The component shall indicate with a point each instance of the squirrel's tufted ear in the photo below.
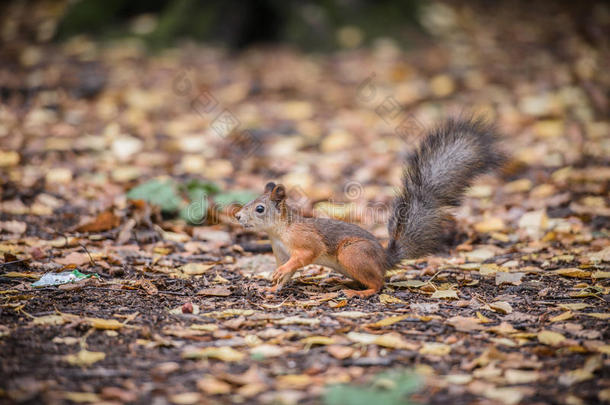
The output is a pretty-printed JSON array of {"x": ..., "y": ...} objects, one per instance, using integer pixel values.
[
  {"x": 269, "y": 187},
  {"x": 278, "y": 194}
]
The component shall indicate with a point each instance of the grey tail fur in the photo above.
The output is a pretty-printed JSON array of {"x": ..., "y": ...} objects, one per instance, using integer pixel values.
[{"x": 435, "y": 177}]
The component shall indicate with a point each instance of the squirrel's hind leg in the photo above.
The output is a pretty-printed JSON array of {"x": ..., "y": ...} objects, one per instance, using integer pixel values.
[{"x": 363, "y": 263}]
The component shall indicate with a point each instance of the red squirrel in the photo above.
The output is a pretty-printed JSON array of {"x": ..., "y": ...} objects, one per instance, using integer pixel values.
[{"x": 435, "y": 178}]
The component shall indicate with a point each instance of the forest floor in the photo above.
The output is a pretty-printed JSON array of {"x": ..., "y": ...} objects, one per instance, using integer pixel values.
[{"x": 515, "y": 310}]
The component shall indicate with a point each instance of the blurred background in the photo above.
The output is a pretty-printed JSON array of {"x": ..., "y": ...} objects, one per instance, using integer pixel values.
[{"x": 105, "y": 95}]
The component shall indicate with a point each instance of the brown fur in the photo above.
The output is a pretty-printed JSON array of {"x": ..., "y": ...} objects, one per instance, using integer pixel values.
[{"x": 435, "y": 176}]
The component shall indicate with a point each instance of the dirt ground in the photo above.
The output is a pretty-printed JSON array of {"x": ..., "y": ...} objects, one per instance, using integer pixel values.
[{"x": 515, "y": 310}]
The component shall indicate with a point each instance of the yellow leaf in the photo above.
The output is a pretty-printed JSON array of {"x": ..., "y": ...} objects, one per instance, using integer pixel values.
[
  {"x": 576, "y": 306},
  {"x": 208, "y": 327},
  {"x": 296, "y": 320},
  {"x": 20, "y": 274},
  {"x": 550, "y": 338},
  {"x": 482, "y": 318},
  {"x": 391, "y": 340},
  {"x": 318, "y": 340},
  {"x": 49, "y": 320},
  {"x": 521, "y": 376},
  {"x": 186, "y": 398},
  {"x": 458, "y": 379},
  {"x": 388, "y": 299},
  {"x": 501, "y": 306},
  {"x": 223, "y": 353},
  {"x": 445, "y": 294},
  {"x": 84, "y": 358},
  {"x": 604, "y": 349},
  {"x": 388, "y": 321},
  {"x": 573, "y": 272},
  {"x": 435, "y": 349},
  {"x": 80, "y": 397},
  {"x": 562, "y": 317},
  {"x": 213, "y": 386},
  {"x": 195, "y": 269},
  {"x": 489, "y": 268},
  {"x": 598, "y": 315},
  {"x": 99, "y": 323},
  {"x": 600, "y": 274},
  {"x": 490, "y": 225},
  {"x": 294, "y": 381}
]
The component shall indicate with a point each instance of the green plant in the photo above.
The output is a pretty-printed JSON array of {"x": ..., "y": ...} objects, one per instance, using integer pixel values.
[{"x": 389, "y": 388}]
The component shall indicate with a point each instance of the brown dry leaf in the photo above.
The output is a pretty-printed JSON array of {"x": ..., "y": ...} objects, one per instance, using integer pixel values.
[
  {"x": 445, "y": 294},
  {"x": 195, "y": 269},
  {"x": 215, "y": 291},
  {"x": 148, "y": 286},
  {"x": 74, "y": 258},
  {"x": 213, "y": 386},
  {"x": 501, "y": 306},
  {"x": 388, "y": 299},
  {"x": 103, "y": 222},
  {"x": 573, "y": 272},
  {"x": 391, "y": 340},
  {"x": 296, "y": 320},
  {"x": 340, "y": 352},
  {"x": 509, "y": 278},
  {"x": 84, "y": 358},
  {"x": 465, "y": 324}
]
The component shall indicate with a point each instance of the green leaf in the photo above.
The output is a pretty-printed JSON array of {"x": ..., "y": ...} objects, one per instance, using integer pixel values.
[
  {"x": 161, "y": 193},
  {"x": 195, "y": 187},
  {"x": 238, "y": 196},
  {"x": 388, "y": 388}
]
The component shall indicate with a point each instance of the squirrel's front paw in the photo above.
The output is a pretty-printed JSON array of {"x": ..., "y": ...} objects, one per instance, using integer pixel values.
[{"x": 280, "y": 276}]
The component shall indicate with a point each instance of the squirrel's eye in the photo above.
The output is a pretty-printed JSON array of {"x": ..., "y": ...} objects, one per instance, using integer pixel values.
[{"x": 260, "y": 209}]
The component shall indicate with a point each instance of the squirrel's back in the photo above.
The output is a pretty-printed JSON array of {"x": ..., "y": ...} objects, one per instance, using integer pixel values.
[{"x": 436, "y": 175}]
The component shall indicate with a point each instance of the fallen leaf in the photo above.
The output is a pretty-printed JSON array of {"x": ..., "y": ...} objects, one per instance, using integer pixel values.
[
  {"x": 296, "y": 320},
  {"x": 390, "y": 340},
  {"x": 317, "y": 340},
  {"x": 215, "y": 291},
  {"x": 223, "y": 353},
  {"x": 573, "y": 272},
  {"x": 388, "y": 321},
  {"x": 501, "y": 306},
  {"x": 435, "y": 349},
  {"x": 213, "y": 386},
  {"x": 445, "y": 294},
  {"x": 562, "y": 317},
  {"x": 509, "y": 278},
  {"x": 521, "y": 376},
  {"x": 340, "y": 352},
  {"x": 103, "y": 222},
  {"x": 195, "y": 269},
  {"x": 388, "y": 299},
  {"x": 186, "y": 398},
  {"x": 550, "y": 338},
  {"x": 84, "y": 358}
]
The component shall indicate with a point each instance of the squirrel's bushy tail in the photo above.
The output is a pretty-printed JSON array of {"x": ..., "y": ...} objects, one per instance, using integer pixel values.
[{"x": 436, "y": 175}]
